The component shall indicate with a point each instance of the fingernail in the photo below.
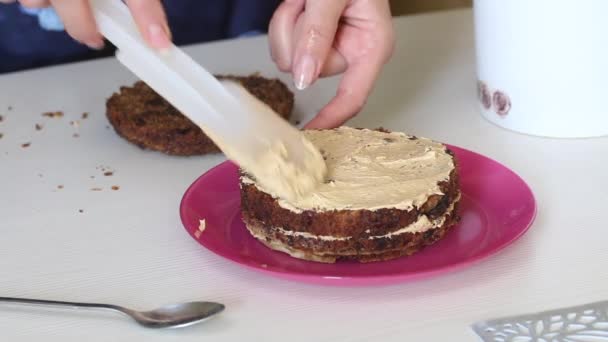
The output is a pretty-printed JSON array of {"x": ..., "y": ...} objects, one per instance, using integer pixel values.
[
  {"x": 305, "y": 72},
  {"x": 158, "y": 36},
  {"x": 96, "y": 44},
  {"x": 165, "y": 52}
]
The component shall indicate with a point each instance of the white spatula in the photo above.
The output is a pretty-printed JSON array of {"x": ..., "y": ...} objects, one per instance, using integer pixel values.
[{"x": 246, "y": 130}]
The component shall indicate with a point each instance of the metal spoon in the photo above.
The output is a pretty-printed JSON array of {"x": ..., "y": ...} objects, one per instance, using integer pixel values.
[{"x": 169, "y": 316}]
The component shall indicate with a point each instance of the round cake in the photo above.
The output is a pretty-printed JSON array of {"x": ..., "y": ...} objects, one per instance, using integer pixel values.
[
  {"x": 144, "y": 118},
  {"x": 386, "y": 195}
]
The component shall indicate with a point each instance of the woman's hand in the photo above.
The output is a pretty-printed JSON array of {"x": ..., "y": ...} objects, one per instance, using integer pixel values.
[
  {"x": 79, "y": 22},
  {"x": 316, "y": 38}
]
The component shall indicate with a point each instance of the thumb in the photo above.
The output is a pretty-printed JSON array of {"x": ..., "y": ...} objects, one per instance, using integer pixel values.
[{"x": 314, "y": 38}]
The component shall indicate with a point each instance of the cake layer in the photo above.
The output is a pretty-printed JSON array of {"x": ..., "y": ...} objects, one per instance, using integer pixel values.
[
  {"x": 142, "y": 117},
  {"x": 364, "y": 250},
  {"x": 265, "y": 208}
]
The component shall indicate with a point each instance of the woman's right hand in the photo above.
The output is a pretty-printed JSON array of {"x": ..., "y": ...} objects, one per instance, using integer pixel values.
[
  {"x": 317, "y": 38},
  {"x": 79, "y": 22}
]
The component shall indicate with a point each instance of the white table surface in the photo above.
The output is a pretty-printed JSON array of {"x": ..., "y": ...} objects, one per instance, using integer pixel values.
[{"x": 129, "y": 247}]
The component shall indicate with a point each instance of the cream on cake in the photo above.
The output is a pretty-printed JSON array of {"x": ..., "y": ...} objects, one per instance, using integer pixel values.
[{"x": 371, "y": 170}]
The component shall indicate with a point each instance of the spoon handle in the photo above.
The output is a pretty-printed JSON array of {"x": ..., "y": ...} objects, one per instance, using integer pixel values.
[{"x": 73, "y": 305}]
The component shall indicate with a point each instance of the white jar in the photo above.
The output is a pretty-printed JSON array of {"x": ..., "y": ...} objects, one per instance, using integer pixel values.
[{"x": 542, "y": 65}]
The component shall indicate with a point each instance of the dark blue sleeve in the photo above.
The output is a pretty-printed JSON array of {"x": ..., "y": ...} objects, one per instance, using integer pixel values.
[
  {"x": 24, "y": 44},
  {"x": 250, "y": 16},
  {"x": 194, "y": 21}
]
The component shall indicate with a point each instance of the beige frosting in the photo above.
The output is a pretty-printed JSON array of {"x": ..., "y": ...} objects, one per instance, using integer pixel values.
[
  {"x": 290, "y": 177},
  {"x": 307, "y": 235},
  {"x": 422, "y": 224},
  {"x": 282, "y": 247},
  {"x": 284, "y": 162},
  {"x": 371, "y": 170}
]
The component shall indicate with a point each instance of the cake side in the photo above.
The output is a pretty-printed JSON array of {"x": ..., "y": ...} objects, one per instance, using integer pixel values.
[
  {"x": 363, "y": 250},
  {"x": 352, "y": 234},
  {"x": 258, "y": 205}
]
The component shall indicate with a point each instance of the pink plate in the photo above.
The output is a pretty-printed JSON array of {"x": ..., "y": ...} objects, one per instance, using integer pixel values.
[{"x": 497, "y": 208}]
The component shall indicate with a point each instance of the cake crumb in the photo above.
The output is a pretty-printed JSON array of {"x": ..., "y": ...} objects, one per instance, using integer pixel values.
[
  {"x": 115, "y": 187},
  {"x": 201, "y": 228},
  {"x": 76, "y": 135},
  {"x": 80, "y": 211},
  {"x": 108, "y": 173},
  {"x": 38, "y": 127},
  {"x": 10, "y": 108},
  {"x": 297, "y": 122},
  {"x": 74, "y": 123},
  {"x": 57, "y": 114},
  {"x": 85, "y": 115},
  {"x": 92, "y": 177},
  {"x": 59, "y": 187},
  {"x": 26, "y": 145},
  {"x": 96, "y": 189}
]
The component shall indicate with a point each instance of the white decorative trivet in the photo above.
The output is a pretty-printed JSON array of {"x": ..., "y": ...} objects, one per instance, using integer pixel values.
[{"x": 585, "y": 323}]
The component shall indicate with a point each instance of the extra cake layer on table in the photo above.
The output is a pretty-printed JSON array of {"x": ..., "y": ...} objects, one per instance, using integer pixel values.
[{"x": 143, "y": 117}]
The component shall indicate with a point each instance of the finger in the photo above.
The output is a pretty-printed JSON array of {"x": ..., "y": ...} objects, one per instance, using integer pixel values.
[
  {"x": 384, "y": 31},
  {"x": 352, "y": 94},
  {"x": 79, "y": 21},
  {"x": 314, "y": 39},
  {"x": 334, "y": 64},
  {"x": 32, "y": 3},
  {"x": 150, "y": 17},
  {"x": 281, "y": 32}
]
